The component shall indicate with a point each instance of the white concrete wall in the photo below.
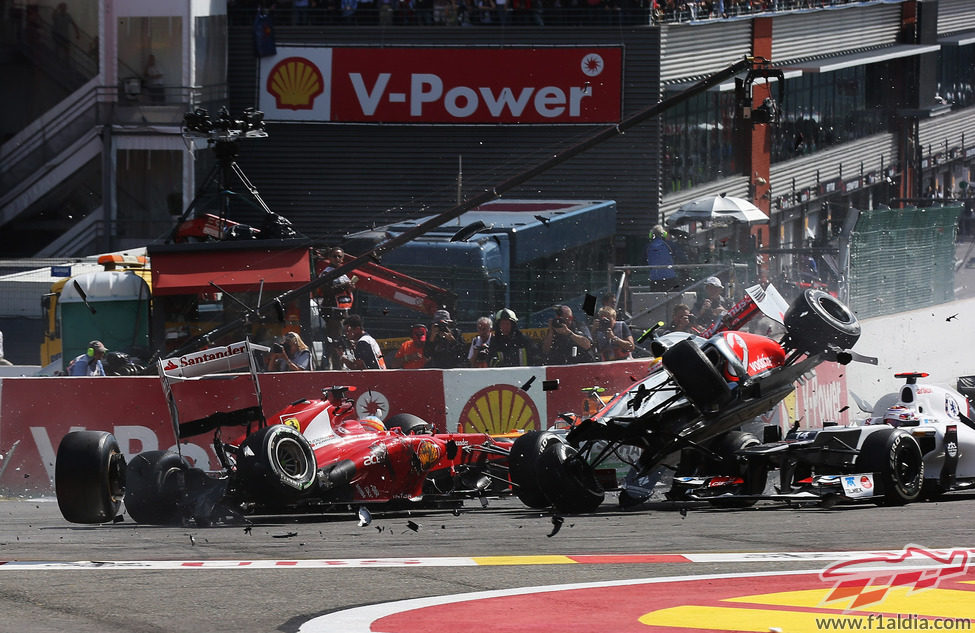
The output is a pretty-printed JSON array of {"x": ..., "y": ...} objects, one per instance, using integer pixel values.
[{"x": 921, "y": 340}]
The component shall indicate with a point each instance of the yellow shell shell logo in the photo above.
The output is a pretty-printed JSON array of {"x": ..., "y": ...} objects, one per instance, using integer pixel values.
[
  {"x": 295, "y": 82},
  {"x": 499, "y": 409}
]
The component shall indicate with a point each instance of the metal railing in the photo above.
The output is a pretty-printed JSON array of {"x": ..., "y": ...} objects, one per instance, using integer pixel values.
[
  {"x": 29, "y": 156},
  {"x": 628, "y": 282}
]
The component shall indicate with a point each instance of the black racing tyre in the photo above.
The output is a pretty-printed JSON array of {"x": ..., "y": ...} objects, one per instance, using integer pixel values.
[
  {"x": 569, "y": 482},
  {"x": 408, "y": 423},
  {"x": 523, "y": 466},
  {"x": 154, "y": 487},
  {"x": 754, "y": 474},
  {"x": 277, "y": 464},
  {"x": 895, "y": 456},
  {"x": 89, "y": 476},
  {"x": 817, "y": 319},
  {"x": 697, "y": 376}
]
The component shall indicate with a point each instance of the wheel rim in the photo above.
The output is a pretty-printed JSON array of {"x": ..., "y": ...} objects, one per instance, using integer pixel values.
[
  {"x": 116, "y": 476},
  {"x": 907, "y": 469},
  {"x": 835, "y": 309},
  {"x": 291, "y": 458}
]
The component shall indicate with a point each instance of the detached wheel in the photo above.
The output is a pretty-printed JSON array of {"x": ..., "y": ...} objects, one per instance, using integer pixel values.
[
  {"x": 568, "y": 481},
  {"x": 817, "y": 319},
  {"x": 155, "y": 485},
  {"x": 896, "y": 458},
  {"x": 410, "y": 424},
  {"x": 523, "y": 466},
  {"x": 697, "y": 377},
  {"x": 277, "y": 464},
  {"x": 89, "y": 476}
]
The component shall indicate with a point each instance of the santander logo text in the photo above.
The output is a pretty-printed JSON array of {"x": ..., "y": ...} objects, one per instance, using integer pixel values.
[{"x": 462, "y": 102}]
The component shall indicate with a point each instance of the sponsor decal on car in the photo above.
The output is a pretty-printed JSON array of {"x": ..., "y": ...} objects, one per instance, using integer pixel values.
[{"x": 858, "y": 486}]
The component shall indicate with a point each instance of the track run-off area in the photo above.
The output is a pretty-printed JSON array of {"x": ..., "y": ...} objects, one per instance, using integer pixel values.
[{"x": 501, "y": 568}]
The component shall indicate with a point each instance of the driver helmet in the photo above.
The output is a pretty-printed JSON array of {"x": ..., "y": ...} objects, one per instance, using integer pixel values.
[
  {"x": 373, "y": 423},
  {"x": 899, "y": 415}
]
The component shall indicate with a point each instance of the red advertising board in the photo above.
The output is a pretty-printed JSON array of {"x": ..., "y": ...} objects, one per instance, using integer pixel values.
[
  {"x": 483, "y": 85},
  {"x": 35, "y": 413}
]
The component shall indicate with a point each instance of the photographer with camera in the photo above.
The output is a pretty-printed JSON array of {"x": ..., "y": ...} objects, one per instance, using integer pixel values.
[
  {"x": 291, "y": 355},
  {"x": 445, "y": 346},
  {"x": 614, "y": 341},
  {"x": 509, "y": 347},
  {"x": 566, "y": 341},
  {"x": 478, "y": 354}
]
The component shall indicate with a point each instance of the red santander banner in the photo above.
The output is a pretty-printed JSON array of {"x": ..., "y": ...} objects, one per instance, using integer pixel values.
[{"x": 513, "y": 85}]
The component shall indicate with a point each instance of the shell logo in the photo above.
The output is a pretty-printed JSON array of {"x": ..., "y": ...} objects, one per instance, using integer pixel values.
[
  {"x": 295, "y": 82},
  {"x": 499, "y": 409}
]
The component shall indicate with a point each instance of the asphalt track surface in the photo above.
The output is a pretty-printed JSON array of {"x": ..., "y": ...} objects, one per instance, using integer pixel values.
[{"x": 667, "y": 567}]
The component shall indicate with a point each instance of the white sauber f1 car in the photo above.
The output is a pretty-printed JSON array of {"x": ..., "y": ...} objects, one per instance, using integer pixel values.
[{"x": 918, "y": 443}]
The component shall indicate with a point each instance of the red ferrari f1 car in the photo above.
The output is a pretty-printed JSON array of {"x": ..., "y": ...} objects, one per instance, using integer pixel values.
[
  {"x": 311, "y": 456},
  {"x": 707, "y": 386}
]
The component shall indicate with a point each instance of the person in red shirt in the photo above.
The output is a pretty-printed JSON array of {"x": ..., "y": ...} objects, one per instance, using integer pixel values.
[{"x": 410, "y": 353}]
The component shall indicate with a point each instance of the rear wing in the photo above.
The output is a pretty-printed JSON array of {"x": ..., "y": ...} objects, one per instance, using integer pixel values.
[
  {"x": 202, "y": 365},
  {"x": 768, "y": 301}
]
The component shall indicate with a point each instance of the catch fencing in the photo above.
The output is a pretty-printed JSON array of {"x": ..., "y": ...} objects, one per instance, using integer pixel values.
[{"x": 901, "y": 259}]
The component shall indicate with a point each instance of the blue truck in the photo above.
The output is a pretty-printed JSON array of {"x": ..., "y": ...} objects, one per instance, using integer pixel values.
[{"x": 494, "y": 255}]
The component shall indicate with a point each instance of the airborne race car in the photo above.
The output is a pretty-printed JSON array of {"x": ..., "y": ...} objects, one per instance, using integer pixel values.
[
  {"x": 712, "y": 385},
  {"x": 918, "y": 442},
  {"x": 311, "y": 456}
]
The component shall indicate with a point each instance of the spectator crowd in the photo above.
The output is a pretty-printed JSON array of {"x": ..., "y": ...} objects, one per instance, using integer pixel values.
[{"x": 503, "y": 12}]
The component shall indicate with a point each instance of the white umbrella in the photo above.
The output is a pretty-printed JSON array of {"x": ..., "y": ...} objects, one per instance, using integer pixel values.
[{"x": 718, "y": 209}]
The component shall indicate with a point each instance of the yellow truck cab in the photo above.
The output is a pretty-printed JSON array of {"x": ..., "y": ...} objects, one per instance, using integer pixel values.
[{"x": 111, "y": 305}]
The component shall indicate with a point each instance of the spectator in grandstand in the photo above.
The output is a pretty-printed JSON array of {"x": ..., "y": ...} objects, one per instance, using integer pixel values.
[
  {"x": 682, "y": 319},
  {"x": 660, "y": 257},
  {"x": 444, "y": 348},
  {"x": 290, "y": 355},
  {"x": 348, "y": 10},
  {"x": 410, "y": 353},
  {"x": 365, "y": 352},
  {"x": 503, "y": 15},
  {"x": 710, "y": 305},
  {"x": 387, "y": 8},
  {"x": 509, "y": 347},
  {"x": 613, "y": 338},
  {"x": 478, "y": 354},
  {"x": 566, "y": 341}
]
